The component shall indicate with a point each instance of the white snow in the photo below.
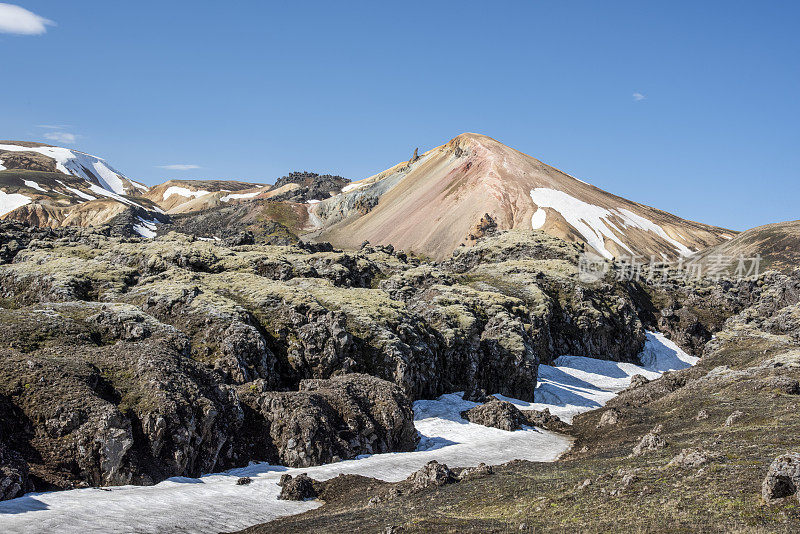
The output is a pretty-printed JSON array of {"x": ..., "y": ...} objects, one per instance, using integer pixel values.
[
  {"x": 637, "y": 221},
  {"x": 11, "y": 201},
  {"x": 593, "y": 223},
  {"x": 146, "y": 228},
  {"x": 576, "y": 384},
  {"x": 313, "y": 201},
  {"x": 234, "y": 196},
  {"x": 1, "y": 165},
  {"x": 34, "y": 185},
  {"x": 77, "y": 192},
  {"x": 215, "y": 503},
  {"x": 119, "y": 198},
  {"x": 137, "y": 185},
  {"x": 538, "y": 219},
  {"x": 184, "y": 192},
  {"x": 353, "y": 185},
  {"x": 78, "y": 164}
]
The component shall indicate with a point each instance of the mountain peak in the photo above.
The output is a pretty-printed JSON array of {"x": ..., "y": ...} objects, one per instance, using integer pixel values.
[{"x": 431, "y": 205}]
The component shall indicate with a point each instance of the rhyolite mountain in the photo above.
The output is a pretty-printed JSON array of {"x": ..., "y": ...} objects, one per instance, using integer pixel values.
[{"x": 454, "y": 193}]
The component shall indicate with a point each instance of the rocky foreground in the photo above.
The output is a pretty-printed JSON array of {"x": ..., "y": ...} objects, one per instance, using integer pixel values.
[
  {"x": 713, "y": 448},
  {"x": 127, "y": 361}
]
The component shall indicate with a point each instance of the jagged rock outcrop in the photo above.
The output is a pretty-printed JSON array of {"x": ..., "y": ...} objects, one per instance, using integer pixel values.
[
  {"x": 335, "y": 419},
  {"x": 313, "y": 186}
]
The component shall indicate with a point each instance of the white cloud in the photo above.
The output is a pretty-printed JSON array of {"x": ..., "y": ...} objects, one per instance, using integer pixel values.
[
  {"x": 638, "y": 97},
  {"x": 179, "y": 167},
  {"x": 52, "y": 126},
  {"x": 18, "y": 20},
  {"x": 61, "y": 137}
]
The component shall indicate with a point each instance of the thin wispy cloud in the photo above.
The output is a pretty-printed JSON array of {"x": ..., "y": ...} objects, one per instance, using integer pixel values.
[
  {"x": 638, "y": 97},
  {"x": 53, "y": 126},
  {"x": 62, "y": 137},
  {"x": 179, "y": 167},
  {"x": 19, "y": 21}
]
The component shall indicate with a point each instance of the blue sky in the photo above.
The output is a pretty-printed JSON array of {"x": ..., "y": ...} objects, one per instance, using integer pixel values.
[{"x": 253, "y": 90}]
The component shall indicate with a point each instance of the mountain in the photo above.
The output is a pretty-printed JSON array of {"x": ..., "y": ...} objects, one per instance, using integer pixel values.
[
  {"x": 457, "y": 192},
  {"x": 51, "y": 186},
  {"x": 183, "y": 196},
  {"x": 777, "y": 244},
  {"x": 27, "y": 155}
]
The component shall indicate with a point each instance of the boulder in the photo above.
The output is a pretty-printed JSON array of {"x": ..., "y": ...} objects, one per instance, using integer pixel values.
[
  {"x": 783, "y": 478},
  {"x": 298, "y": 488},
  {"x": 638, "y": 380},
  {"x": 433, "y": 474},
  {"x": 496, "y": 414},
  {"x": 471, "y": 473},
  {"x": 693, "y": 457},
  {"x": 544, "y": 419},
  {"x": 734, "y": 417},
  {"x": 650, "y": 442},
  {"x": 783, "y": 384},
  {"x": 610, "y": 417}
]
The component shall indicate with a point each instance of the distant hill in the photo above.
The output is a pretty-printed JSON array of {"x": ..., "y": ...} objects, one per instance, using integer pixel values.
[{"x": 778, "y": 244}]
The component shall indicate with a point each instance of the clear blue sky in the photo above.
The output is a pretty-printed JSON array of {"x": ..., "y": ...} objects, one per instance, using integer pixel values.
[{"x": 253, "y": 90}]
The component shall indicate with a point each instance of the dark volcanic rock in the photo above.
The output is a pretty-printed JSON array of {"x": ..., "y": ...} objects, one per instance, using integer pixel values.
[
  {"x": 313, "y": 186},
  {"x": 298, "y": 488},
  {"x": 496, "y": 414},
  {"x": 544, "y": 419},
  {"x": 337, "y": 419},
  {"x": 14, "y": 481},
  {"x": 783, "y": 478},
  {"x": 433, "y": 474}
]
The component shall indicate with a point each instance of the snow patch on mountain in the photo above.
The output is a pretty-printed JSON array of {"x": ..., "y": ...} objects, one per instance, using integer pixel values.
[
  {"x": 76, "y": 163},
  {"x": 637, "y": 221},
  {"x": 594, "y": 223},
  {"x": 77, "y": 192},
  {"x": 1, "y": 165},
  {"x": 34, "y": 185},
  {"x": 184, "y": 192},
  {"x": 353, "y": 185},
  {"x": 236, "y": 196},
  {"x": 11, "y": 201},
  {"x": 146, "y": 228},
  {"x": 538, "y": 219},
  {"x": 119, "y": 198},
  {"x": 589, "y": 220}
]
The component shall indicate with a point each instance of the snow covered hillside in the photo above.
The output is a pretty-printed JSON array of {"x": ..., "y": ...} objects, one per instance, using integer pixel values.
[
  {"x": 50, "y": 186},
  {"x": 214, "y": 503},
  {"x": 72, "y": 162}
]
